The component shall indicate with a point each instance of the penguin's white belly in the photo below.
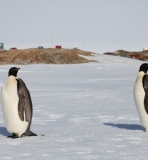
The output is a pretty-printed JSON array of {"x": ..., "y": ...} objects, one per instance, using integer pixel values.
[
  {"x": 139, "y": 95},
  {"x": 9, "y": 100}
]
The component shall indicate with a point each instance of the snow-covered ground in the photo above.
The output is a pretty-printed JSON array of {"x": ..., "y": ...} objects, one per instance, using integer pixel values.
[{"x": 81, "y": 111}]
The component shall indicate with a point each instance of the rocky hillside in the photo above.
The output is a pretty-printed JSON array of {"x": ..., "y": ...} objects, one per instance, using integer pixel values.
[{"x": 44, "y": 56}]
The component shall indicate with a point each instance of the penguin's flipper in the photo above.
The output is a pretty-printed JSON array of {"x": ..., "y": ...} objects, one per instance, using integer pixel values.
[
  {"x": 146, "y": 102},
  {"x": 25, "y": 103},
  {"x": 145, "y": 86}
]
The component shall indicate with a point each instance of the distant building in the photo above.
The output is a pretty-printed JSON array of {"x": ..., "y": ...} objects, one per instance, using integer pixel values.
[
  {"x": 145, "y": 48},
  {"x": 40, "y": 47},
  {"x": 13, "y": 48},
  {"x": 75, "y": 47},
  {"x": 135, "y": 56},
  {"x": 1, "y": 46},
  {"x": 58, "y": 46},
  {"x": 32, "y": 61}
]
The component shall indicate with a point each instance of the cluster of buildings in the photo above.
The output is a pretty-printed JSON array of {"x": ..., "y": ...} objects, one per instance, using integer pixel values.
[
  {"x": 141, "y": 55},
  {"x": 14, "y": 48},
  {"x": 134, "y": 55},
  {"x": 124, "y": 54}
]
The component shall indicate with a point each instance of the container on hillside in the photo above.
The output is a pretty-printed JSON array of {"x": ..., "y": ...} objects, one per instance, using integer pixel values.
[
  {"x": 13, "y": 48},
  {"x": 58, "y": 46},
  {"x": 40, "y": 47},
  {"x": 1, "y": 46}
]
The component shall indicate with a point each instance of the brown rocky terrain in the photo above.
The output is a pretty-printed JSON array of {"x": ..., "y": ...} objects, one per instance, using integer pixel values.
[{"x": 44, "y": 56}]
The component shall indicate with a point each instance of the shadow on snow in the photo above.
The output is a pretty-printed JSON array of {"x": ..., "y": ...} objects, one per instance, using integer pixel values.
[
  {"x": 3, "y": 131},
  {"x": 126, "y": 126}
]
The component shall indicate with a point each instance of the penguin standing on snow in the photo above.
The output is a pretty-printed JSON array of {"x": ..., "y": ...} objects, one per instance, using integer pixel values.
[
  {"x": 16, "y": 106},
  {"x": 141, "y": 95}
]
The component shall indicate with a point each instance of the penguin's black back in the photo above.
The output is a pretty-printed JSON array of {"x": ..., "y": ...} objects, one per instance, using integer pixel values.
[
  {"x": 145, "y": 86},
  {"x": 25, "y": 103}
]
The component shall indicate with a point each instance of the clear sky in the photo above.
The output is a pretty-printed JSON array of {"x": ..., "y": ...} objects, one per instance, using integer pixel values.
[{"x": 95, "y": 25}]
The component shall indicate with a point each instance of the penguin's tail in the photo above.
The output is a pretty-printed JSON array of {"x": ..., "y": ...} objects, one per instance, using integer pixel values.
[{"x": 28, "y": 133}]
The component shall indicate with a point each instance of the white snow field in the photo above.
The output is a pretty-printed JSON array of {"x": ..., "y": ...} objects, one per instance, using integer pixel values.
[{"x": 81, "y": 112}]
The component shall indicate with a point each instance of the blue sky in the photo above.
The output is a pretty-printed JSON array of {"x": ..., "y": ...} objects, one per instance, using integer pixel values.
[{"x": 95, "y": 25}]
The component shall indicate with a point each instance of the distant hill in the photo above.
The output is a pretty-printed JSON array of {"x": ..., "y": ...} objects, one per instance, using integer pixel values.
[
  {"x": 43, "y": 56},
  {"x": 141, "y": 55}
]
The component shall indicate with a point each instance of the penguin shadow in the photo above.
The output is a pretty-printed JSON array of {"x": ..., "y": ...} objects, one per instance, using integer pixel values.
[
  {"x": 4, "y": 132},
  {"x": 126, "y": 126}
]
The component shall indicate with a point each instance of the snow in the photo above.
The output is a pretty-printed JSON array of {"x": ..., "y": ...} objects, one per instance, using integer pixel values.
[{"x": 81, "y": 111}]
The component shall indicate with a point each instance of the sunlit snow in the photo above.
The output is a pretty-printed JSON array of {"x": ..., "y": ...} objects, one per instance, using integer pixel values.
[{"x": 81, "y": 111}]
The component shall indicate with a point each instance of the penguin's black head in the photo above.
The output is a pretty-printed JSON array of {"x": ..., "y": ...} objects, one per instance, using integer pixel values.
[
  {"x": 144, "y": 67},
  {"x": 13, "y": 71}
]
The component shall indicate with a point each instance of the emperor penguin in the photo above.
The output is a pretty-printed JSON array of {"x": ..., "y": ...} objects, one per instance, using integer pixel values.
[
  {"x": 16, "y": 106},
  {"x": 141, "y": 95}
]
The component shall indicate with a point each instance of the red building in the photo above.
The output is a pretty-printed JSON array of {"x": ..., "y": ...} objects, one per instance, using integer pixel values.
[
  {"x": 58, "y": 46},
  {"x": 135, "y": 56},
  {"x": 13, "y": 48}
]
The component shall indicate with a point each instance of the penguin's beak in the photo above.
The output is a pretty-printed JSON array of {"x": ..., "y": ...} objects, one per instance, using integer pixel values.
[{"x": 17, "y": 69}]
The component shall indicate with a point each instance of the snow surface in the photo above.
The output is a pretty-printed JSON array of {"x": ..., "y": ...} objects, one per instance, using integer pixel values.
[{"x": 81, "y": 111}]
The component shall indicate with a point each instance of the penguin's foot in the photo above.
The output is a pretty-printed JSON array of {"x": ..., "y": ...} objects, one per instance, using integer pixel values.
[
  {"x": 13, "y": 136},
  {"x": 28, "y": 133}
]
